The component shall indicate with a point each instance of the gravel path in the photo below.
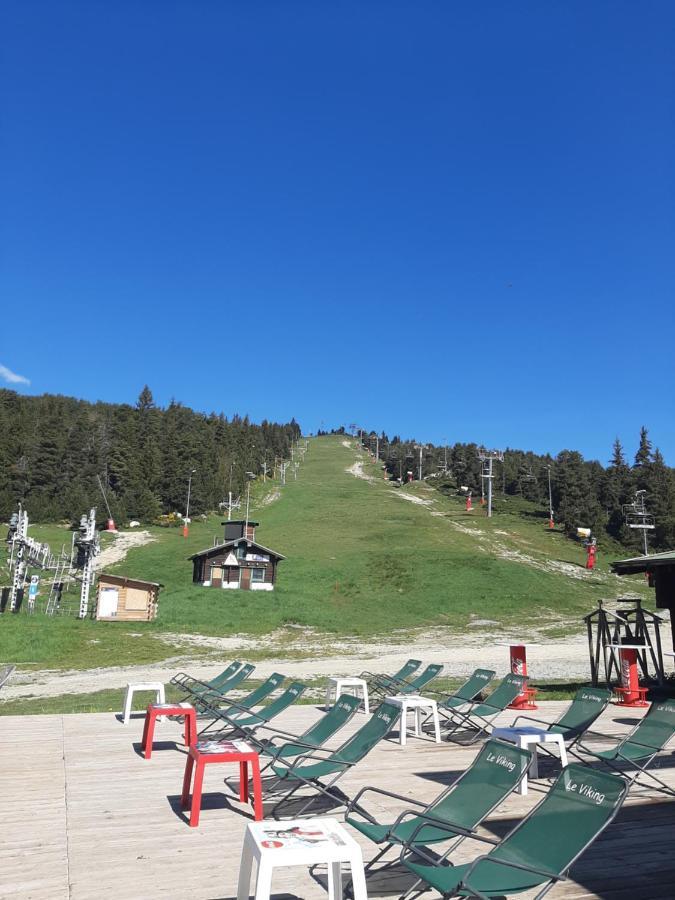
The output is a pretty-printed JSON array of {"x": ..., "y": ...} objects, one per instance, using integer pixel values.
[{"x": 459, "y": 653}]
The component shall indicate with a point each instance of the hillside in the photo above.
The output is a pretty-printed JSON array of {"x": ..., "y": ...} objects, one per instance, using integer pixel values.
[{"x": 364, "y": 559}]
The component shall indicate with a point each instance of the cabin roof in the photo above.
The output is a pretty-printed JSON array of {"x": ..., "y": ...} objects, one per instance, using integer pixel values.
[
  {"x": 644, "y": 563},
  {"x": 122, "y": 579},
  {"x": 240, "y": 522},
  {"x": 228, "y": 544}
]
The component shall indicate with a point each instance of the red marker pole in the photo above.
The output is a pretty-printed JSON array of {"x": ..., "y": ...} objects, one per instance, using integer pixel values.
[
  {"x": 468, "y": 503},
  {"x": 590, "y": 558}
]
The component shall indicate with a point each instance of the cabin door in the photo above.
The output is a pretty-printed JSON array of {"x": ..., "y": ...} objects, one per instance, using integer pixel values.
[{"x": 245, "y": 579}]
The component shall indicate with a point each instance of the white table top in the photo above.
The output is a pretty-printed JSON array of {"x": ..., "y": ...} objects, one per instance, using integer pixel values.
[
  {"x": 345, "y": 679},
  {"x": 410, "y": 700},
  {"x": 539, "y": 734},
  {"x": 303, "y": 840}
]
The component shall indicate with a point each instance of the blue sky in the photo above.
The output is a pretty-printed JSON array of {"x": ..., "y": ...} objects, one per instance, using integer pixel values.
[{"x": 442, "y": 220}]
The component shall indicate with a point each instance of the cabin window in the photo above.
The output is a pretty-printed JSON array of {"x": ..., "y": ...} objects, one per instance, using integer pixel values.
[
  {"x": 257, "y": 574},
  {"x": 241, "y": 551}
]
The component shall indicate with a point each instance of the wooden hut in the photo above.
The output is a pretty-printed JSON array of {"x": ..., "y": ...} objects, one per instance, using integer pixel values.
[
  {"x": 120, "y": 599},
  {"x": 239, "y": 562}
]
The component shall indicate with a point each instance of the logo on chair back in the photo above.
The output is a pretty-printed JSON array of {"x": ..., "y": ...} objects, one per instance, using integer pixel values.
[
  {"x": 586, "y": 791},
  {"x": 593, "y": 697},
  {"x": 500, "y": 759},
  {"x": 665, "y": 707},
  {"x": 482, "y": 676}
]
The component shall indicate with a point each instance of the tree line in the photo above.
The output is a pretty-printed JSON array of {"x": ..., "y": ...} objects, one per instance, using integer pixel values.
[
  {"x": 584, "y": 493},
  {"x": 53, "y": 450}
]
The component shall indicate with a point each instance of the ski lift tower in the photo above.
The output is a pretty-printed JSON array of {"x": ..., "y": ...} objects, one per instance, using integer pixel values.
[
  {"x": 637, "y": 517},
  {"x": 17, "y": 536},
  {"x": 88, "y": 548},
  {"x": 487, "y": 457}
]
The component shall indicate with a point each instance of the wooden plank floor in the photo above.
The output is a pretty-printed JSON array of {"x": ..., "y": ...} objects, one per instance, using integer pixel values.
[{"x": 85, "y": 816}]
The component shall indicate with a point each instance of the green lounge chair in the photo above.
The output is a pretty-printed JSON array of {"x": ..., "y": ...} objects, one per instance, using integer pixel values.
[
  {"x": 215, "y": 704},
  {"x": 186, "y": 682},
  {"x": 311, "y": 768},
  {"x": 497, "y": 770},
  {"x": 381, "y": 684},
  {"x": 315, "y": 737},
  {"x": 467, "y": 693},
  {"x": 639, "y": 748},
  {"x": 478, "y": 717},
  {"x": 415, "y": 685},
  {"x": 587, "y": 705},
  {"x": 195, "y": 692},
  {"x": 539, "y": 851},
  {"x": 248, "y": 724}
]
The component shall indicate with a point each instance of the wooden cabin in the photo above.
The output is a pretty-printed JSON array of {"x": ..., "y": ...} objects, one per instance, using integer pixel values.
[
  {"x": 239, "y": 562},
  {"x": 120, "y": 599}
]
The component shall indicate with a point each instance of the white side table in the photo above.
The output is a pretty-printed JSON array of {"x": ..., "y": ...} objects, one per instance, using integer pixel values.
[
  {"x": 354, "y": 686},
  {"x": 526, "y": 737},
  {"x": 417, "y": 704},
  {"x": 302, "y": 842},
  {"x": 155, "y": 686}
]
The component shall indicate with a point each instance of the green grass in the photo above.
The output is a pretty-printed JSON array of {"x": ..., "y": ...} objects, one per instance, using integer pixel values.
[
  {"x": 360, "y": 560},
  {"x": 112, "y": 700}
]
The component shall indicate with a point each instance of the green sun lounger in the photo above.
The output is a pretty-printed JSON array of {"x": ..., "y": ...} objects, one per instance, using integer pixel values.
[
  {"x": 186, "y": 682},
  {"x": 467, "y": 693},
  {"x": 315, "y": 737},
  {"x": 214, "y": 704},
  {"x": 477, "y": 719},
  {"x": 641, "y": 747},
  {"x": 320, "y": 769},
  {"x": 248, "y": 724},
  {"x": 586, "y": 706},
  {"x": 416, "y": 684},
  {"x": 197, "y": 690},
  {"x": 496, "y": 771},
  {"x": 382, "y": 683},
  {"x": 539, "y": 851}
]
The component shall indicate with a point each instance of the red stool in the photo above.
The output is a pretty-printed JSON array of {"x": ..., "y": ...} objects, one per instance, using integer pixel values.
[
  {"x": 156, "y": 710},
  {"x": 205, "y": 752}
]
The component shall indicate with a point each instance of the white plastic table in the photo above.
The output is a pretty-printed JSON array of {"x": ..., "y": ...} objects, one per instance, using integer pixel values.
[
  {"x": 301, "y": 842},
  {"x": 354, "y": 686},
  {"x": 417, "y": 704},
  {"x": 529, "y": 736},
  {"x": 155, "y": 686}
]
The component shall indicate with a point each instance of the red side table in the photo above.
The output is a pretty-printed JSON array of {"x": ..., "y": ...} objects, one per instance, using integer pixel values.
[
  {"x": 202, "y": 753},
  {"x": 155, "y": 710}
]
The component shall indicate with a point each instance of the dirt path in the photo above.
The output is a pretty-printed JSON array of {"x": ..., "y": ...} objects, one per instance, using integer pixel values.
[
  {"x": 356, "y": 469},
  {"x": 122, "y": 544},
  {"x": 325, "y": 655}
]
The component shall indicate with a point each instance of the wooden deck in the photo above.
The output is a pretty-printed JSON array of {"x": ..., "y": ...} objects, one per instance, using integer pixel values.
[{"x": 85, "y": 816}]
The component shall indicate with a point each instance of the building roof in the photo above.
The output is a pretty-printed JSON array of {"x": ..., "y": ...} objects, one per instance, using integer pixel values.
[
  {"x": 240, "y": 522},
  {"x": 227, "y": 544},
  {"x": 644, "y": 563},
  {"x": 124, "y": 580}
]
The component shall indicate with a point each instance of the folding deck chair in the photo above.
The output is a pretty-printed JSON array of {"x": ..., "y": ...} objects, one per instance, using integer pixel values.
[
  {"x": 586, "y": 706},
  {"x": 211, "y": 706},
  {"x": 467, "y": 693},
  {"x": 308, "y": 769},
  {"x": 415, "y": 685},
  {"x": 185, "y": 681},
  {"x": 477, "y": 718},
  {"x": 641, "y": 746},
  {"x": 315, "y": 737},
  {"x": 539, "y": 851},
  {"x": 195, "y": 689},
  {"x": 247, "y": 725},
  {"x": 497, "y": 769},
  {"x": 380, "y": 684}
]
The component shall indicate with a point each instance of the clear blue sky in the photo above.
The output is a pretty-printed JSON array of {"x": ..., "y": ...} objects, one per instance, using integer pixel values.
[{"x": 443, "y": 220}]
